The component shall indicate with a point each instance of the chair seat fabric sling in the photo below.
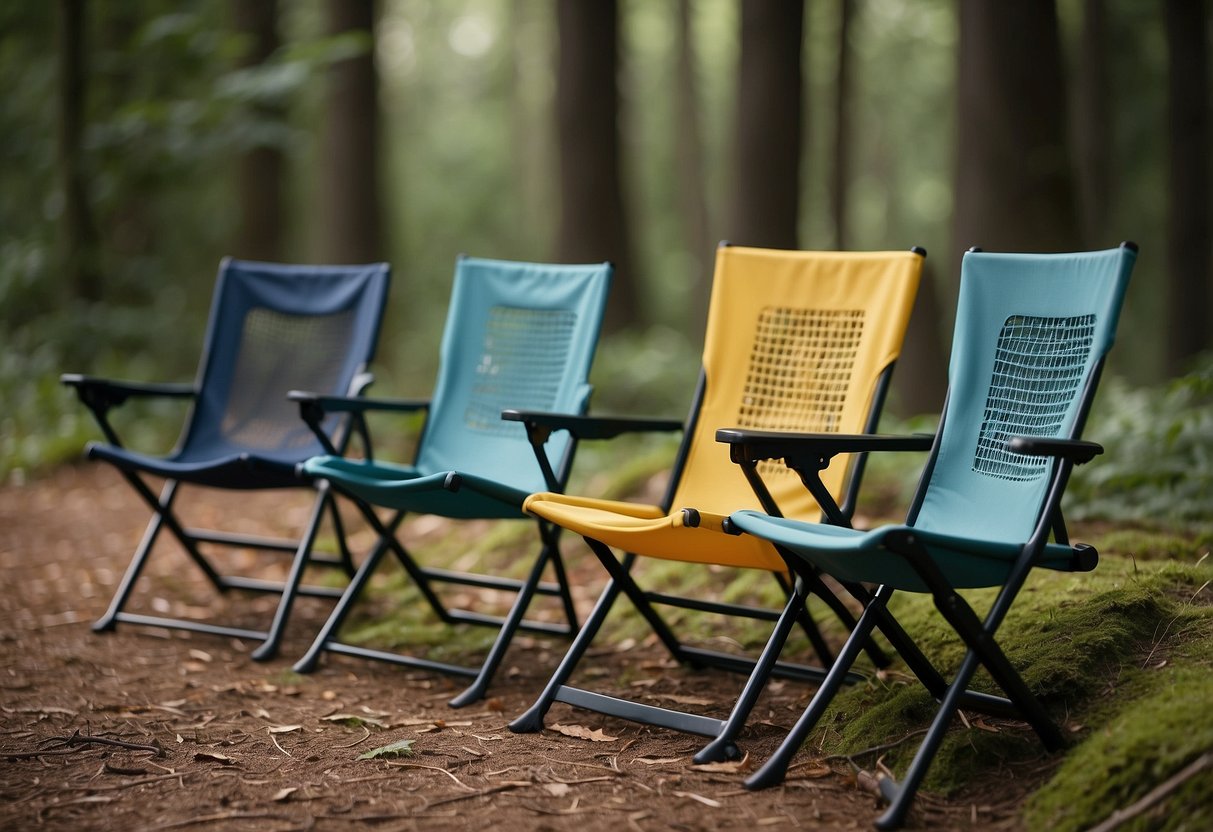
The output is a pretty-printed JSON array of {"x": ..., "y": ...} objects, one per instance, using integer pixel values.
[
  {"x": 272, "y": 327},
  {"x": 794, "y": 341},
  {"x": 517, "y": 335},
  {"x": 1032, "y": 332}
]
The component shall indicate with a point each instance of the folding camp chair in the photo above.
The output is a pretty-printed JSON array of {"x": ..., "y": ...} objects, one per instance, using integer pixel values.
[
  {"x": 1032, "y": 332},
  {"x": 795, "y": 341},
  {"x": 517, "y": 335},
  {"x": 272, "y": 327}
]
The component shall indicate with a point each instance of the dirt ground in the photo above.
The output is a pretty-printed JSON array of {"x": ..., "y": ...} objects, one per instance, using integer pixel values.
[{"x": 222, "y": 742}]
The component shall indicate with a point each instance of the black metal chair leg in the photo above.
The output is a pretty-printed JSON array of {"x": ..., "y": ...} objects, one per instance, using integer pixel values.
[
  {"x": 290, "y": 588},
  {"x": 902, "y": 794},
  {"x": 724, "y": 746},
  {"x": 475, "y": 691},
  {"x": 621, "y": 575},
  {"x": 531, "y": 721},
  {"x": 308, "y": 663},
  {"x": 775, "y": 768},
  {"x": 109, "y": 620}
]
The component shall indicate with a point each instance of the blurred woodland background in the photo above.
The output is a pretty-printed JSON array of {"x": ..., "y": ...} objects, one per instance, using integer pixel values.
[{"x": 142, "y": 141}]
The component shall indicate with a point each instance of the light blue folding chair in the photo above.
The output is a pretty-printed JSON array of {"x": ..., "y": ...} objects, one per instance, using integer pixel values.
[
  {"x": 517, "y": 336},
  {"x": 1032, "y": 332},
  {"x": 272, "y": 327}
]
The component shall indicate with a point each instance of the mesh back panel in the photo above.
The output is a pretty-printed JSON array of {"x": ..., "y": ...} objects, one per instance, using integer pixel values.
[
  {"x": 522, "y": 365},
  {"x": 1038, "y": 370},
  {"x": 799, "y": 372},
  {"x": 281, "y": 352}
]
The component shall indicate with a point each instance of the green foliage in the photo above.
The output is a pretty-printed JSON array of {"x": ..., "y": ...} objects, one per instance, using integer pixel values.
[
  {"x": 1158, "y": 464},
  {"x": 400, "y": 748}
]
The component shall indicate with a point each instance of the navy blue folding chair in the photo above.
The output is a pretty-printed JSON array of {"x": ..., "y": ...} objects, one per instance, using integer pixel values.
[{"x": 272, "y": 328}]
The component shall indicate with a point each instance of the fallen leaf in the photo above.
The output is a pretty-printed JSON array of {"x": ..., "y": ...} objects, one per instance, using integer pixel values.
[
  {"x": 656, "y": 761},
  {"x": 282, "y": 794},
  {"x": 354, "y": 720},
  {"x": 213, "y": 757},
  {"x": 583, "y": 733},
  {"x": 400, "y": 748},
  {"x": 556, "y": 789},
  {"x": 200, "y": 655},
  {"x": 283, "y": 729},
  {"x": 728, "y": 767},
  {"x": 493, "y": 703}
]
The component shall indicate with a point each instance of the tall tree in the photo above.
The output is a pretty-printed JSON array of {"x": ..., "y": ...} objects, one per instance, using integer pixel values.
[
  {"x": 689, "y": 155},
  {"x": 766, "y": 188},
  {"x": 593, "y": 221},
  {"x": 1189, "y": 231},
  {"x": 1093, "y": 123},
  {"x": 351, "y": 224},
  {"x": 78, "y": 227},
  {"x": 1014, "y": 187},
  {"x": 842, "y": 124},
  {"x": 261, "y": 169}
]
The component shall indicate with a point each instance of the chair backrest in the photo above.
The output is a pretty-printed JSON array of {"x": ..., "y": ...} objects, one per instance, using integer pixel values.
[
  {"x": 518, "y": 336},
  {"x": 795, "y": 341},
  {"x": 274, "y": 328},
  {"x": 1031, "y": 334}
]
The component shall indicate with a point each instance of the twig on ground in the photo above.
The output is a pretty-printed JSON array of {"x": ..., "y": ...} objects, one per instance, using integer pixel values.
[
  {"x": 876, "y": 749},
  {"x": 458, "y": 782},
  {"x": 76, "y": 741},
  {"x": 1156, "y": 794}
]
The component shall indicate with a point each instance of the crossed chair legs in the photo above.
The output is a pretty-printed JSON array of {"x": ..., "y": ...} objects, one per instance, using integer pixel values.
[
  {"x": 723, "y": 732},
  {"x": 983, "y": 651},
  {"x": 424, "y": 578},
  {"x": 165, "y": 517}
]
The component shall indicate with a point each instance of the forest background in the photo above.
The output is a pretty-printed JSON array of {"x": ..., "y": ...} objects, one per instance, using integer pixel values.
[{"x": 142, "y": 141}]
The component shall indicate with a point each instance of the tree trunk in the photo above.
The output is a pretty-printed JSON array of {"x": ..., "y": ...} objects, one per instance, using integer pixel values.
[
  {"x": 689, "y": 154},
  {"x": 1189, "y": 231},
  {"x": 766, "y": 194},
  {"x": 842, "y": 125},
  {"x": 261, "y": 170},
  {"x": 1093, "y": 125},
  {"x": 593, "y": 223},
  {"x": 1014, "y": 188},
  {"x": 351, "y": 230},
  {"x": 77, "y": 226}
]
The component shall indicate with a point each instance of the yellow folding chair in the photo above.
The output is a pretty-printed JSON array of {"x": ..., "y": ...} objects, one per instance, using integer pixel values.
[{"x": 796, "y": 341}]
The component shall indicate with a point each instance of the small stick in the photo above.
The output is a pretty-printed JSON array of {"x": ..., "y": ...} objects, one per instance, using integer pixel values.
[{"x": 1117, "y": 818}]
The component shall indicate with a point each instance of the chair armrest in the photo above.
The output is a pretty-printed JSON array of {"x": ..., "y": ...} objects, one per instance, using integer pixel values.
[
  {"x": 314, "y": 408},
  {"x": 758, "y": 445},
  {"x": 1077, "y": 451},
  {"x": 106, "y": 393},
  {"x": 100, "y": 394},
  {"x": 355, "y": 404},
  {"x": 590, "y": 427}
]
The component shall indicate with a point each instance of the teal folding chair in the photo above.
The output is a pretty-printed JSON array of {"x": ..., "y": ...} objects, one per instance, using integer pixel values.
[
  {"x": 272, "y": 327},
  {"x": 1032, "y": 333},
  {"x": 518, "y": 335}
]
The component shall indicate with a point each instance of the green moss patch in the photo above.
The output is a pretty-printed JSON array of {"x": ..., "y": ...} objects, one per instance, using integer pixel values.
[{"x": 1150, "y": 741}]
